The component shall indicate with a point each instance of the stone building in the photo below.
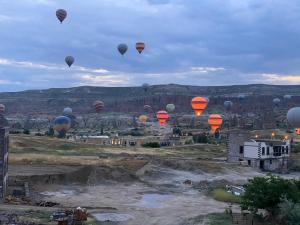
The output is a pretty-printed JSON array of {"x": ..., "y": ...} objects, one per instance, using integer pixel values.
[{"x": 266, "y": 154}]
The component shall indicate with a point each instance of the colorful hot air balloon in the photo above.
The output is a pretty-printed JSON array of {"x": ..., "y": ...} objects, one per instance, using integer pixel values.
[
  {"x": 147, "y": 108},
  {"x": 162, "y": 117},
  {"x": 199, "y": 104},
  {"x": 293, "y": 117},
  {"x": 69, "y": 60},
  {"x": 170, "y": 108},
  {"x": 228, "y": 105},
  {"x": 297, "y": 131},
  {"x": 143, "y": 118},
  {"x": 276, "y": 101},
  {"x": 67, "y": 111},
  {"x": 140, "y": 46},
  {"x": 98, "y": 106},
  {"x": 62, "y": 124},
  {"x": 122, "y": 48},
  {"x": 215, "y": 121},
  {"x": 2, "y": 109},
  {"x": 61, "y": 15}
]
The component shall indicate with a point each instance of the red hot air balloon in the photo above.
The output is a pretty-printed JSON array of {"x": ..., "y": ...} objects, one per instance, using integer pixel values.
[
  {"x": 61, "y": 15},
  {"x": 199, "y": 104},
  {"x": 215, "y": 121},
  {"x": 98, "y": 106},
  {"x": 297, "y": 131},
  {"x": 162, "y": 117},
  {"x": 140, "y": 46}
]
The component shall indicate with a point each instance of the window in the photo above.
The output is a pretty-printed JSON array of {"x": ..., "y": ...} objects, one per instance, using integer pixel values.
[
  {"x": 282, "y": 150},
  {"x": 276, "y": 151},
  {"x": 249, "y": 162},
  {"x": 241, "y": 149},
  {"x": 263, "y": 151},
  {"x": 287, "y": 150},
  {"x": 271, "y": 161},
  {"x": 268, "y": 150}
]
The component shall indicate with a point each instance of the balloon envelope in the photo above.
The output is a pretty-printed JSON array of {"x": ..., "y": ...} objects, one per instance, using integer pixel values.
[
  {"x": 140, "y": 46},
  {"x": 67, "y": 111},
  {"x": 228, "y": 105},
  {"x": 2, "y": 108},
  {"x": 69, "y": 60},
  {"x": 215, "y": 121},
  {"x": 170, "y": 107},
  {"x": 61, "y": 14},
  {"x": 293, "y": 117},
  {"x": 98, "y": 106},
  {"x": 162, "y": 117},
  {"x": 147, "y": 108},
  {"x": 143, "y": 118},
  {"x": 199, "y": 104},
  {"x": 122, "y": 48},
  {"x": 287, "y": 97},
  {"x": 276, "y": 101},
  {"x": 62, "y": 124}
]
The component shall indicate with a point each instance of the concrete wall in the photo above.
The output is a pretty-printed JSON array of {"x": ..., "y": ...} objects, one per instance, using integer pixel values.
[{"x": 235, "y": 139}]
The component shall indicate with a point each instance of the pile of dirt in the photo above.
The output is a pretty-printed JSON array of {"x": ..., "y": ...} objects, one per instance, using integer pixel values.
[{"x": 91, "y": 175}]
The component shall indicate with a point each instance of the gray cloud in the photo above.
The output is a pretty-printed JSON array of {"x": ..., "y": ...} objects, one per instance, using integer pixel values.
[{"x": 249, "y": 39}]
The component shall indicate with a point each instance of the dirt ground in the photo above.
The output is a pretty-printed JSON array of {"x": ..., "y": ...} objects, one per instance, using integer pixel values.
[{"x": 126, "y": 186}]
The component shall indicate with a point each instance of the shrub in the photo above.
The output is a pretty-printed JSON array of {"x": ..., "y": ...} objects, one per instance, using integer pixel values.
[
  {"x": 26, "y": 131},
  {"x": 224, "y": 196},
  {"x": 151, "y": 145}
]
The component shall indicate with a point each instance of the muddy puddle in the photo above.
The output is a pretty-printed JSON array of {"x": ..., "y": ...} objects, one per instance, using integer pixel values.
[{"x": 112, "y": 217}]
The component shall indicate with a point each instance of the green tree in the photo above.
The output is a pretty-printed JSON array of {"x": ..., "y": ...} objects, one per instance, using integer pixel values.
[
  {"x": 267, "y": 193},
  {"x": 289, "y": 212}
]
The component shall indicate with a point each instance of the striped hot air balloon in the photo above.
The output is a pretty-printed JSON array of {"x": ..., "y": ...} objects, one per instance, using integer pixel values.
[
  {"x": 199, "y": 104},
  {"x": 2, "y": 108},
  {"x": 215, "y": 121},
  {"x": 162, "y": 117},
  {"x": 140, "y": 46},
  {"x": 98, "y": 106},
  {"x": 61, "y": 15}
]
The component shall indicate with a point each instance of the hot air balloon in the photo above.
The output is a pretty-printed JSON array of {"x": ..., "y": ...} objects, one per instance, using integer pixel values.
[
  {"x": 199, "y": 104},
  {"x": 62, "y": 124},
  {"x": 241, "y": 97},
  {"x": 293, "y": 117},
  {"x": 170, "y": 108},
  {"x": 228, "y": 105},
  {"x": 215, "y": 121},
  {"x": 276, "y": 101},
  {"x": 147, "y": 108},
  {"x": 297, "y": 131},
  {"x": 122, "y": 48},
  {"x": 143, "y": 118},
  {"x": 69, "y": 60},
  {"x": 287, "y": 97},
  {"x": 162, "y": 117},
  {"x": 98, "y": 106},
  {"x": 2, "y": 108},
  {"x": 67, "y": 111},
  {"x": 145, "y": 86},
  {"x": 61, "y": 15},
  {"x": 140, "y": 46}
]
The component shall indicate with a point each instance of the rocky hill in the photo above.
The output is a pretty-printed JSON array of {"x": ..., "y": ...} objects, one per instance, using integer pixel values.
[{"x": 132, "y": 99}]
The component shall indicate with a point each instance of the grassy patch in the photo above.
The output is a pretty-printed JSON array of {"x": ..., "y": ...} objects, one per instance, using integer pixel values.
[
  {"x": 219, "y": 219},
  {"x": 224, "y": 196}
]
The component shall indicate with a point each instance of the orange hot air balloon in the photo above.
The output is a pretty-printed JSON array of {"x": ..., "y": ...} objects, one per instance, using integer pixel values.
[
  {"x": 140, "y": 46},
  {"x": 215, "y": 121},
  {"x": 199, "y": 104},
  {"x": 162, "y": 117},
  {"x": 297, "y": 131}
]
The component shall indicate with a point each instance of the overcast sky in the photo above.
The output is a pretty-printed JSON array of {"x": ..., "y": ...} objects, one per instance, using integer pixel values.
[{"x": 198, "y": 42}]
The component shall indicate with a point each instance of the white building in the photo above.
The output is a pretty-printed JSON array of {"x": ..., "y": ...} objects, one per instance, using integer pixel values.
[{"x": 268, "y": 155}]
